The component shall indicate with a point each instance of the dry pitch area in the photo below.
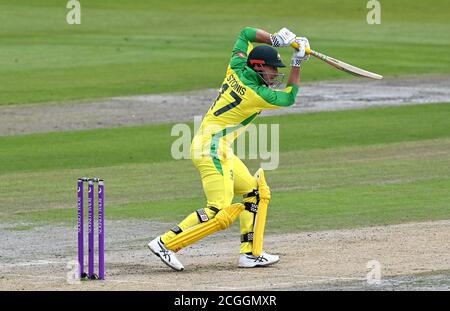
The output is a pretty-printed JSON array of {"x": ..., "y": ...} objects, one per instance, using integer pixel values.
[{"x": 412, "y": 256}]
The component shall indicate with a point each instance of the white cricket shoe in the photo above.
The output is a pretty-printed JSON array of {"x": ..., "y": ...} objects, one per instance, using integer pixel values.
[
  {"x": 167, "y": 256},
  {"x": 250, "y": 261}
]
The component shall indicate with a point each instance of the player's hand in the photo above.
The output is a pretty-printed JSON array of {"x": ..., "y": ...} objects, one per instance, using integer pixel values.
[
  {"x": 300, "y": 53},
  {"x": 284, "y": 37}
]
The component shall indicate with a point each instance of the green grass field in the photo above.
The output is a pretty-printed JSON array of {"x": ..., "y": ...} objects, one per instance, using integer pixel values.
[
  {"x": 337, "y": 170},
  {"x": 139, "y": 47}
]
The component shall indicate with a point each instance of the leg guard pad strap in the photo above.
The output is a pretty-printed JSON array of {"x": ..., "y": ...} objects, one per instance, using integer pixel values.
[
  {"x": 214, "y": 209},
  {"x": 254, "y": 193},
  {"x": 251, "y": 207},
  {"x": 176, "y": 230},
  {"x": 248, "y": 237},
  {"x": 202, "y": 216}
]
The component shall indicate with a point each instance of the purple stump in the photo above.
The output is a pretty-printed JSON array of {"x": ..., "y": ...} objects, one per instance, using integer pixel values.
[
  {"x": 91, "y": 228},
  {"x": 101, "y": 228},
  {"x": 80, "y": 228}
]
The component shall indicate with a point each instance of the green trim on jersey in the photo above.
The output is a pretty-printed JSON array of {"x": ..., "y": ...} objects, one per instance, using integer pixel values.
[
  {"x": 216, "y": 137},
  {"x": 242, "y": 97},
  {"x": 281, "y": 98}
]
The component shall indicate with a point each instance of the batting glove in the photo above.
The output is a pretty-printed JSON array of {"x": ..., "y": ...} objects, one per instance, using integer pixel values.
[
  {"x": 300, "y": 54},
  {"x": 282, "y": 38}
]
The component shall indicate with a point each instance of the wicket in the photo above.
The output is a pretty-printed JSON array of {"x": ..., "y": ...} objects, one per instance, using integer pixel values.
[{"x": 101, "y": 226}]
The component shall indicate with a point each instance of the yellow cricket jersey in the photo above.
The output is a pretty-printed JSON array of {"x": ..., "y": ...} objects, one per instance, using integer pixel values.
[{"x": 242, "y": 97}]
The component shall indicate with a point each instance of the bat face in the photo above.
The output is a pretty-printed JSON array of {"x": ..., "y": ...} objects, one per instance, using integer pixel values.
[
  {"x": 353, "y": 70},
  {"x": 341, "y": 65},
  {"x": 348, "y": 68}
]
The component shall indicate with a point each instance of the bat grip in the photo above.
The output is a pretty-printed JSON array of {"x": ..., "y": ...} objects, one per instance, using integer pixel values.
[{"x": 296, "y": 46}]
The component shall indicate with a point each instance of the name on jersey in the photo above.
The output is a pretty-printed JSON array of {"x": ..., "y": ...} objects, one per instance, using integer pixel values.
[{"x": 234, "y": 83}]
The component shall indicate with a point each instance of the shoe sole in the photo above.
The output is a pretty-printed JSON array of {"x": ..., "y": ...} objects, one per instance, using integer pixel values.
[
  {"x": 259, "y": 265},
  {"x": 159, "y": 256}
]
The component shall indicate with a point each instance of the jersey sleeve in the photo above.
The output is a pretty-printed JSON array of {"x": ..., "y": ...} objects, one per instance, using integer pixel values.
[
  {"x": 278, "y": 98},
  {"x": 242, "y": 47}
]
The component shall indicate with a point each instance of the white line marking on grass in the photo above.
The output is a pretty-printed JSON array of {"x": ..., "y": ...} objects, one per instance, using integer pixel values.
[
  {"x": 31, "y": 276},
  {"x": 30, "y": 263}
]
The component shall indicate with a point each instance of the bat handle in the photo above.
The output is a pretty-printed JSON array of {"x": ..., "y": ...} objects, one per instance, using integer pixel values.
[{"x": 296, "y": 46}]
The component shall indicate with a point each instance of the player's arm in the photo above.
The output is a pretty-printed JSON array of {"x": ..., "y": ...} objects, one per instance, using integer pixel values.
[
  {"x": 278, "y": 98},
  {"x": 250, "y": 35},
  {"x": 294, "y": 77},
  {"x": 298, "y": 57}
]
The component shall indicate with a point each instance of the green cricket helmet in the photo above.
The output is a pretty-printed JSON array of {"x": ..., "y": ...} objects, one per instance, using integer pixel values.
[{"x": 264, "y": 55}]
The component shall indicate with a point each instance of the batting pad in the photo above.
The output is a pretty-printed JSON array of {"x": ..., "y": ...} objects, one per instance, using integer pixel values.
[
  {"x": 260, "y": 221},
  {"x": 223, "y": 219}
]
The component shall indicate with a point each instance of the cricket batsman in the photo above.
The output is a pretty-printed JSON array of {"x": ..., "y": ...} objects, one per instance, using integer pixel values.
[{"x": 251, "y": 85}]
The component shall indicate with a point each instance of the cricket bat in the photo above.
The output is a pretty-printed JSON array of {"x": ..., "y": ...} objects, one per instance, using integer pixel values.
[{"x": 340, "y": 64}]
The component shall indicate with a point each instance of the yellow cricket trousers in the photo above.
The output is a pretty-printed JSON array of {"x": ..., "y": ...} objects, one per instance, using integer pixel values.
[{"x": 221, "y": 180}]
